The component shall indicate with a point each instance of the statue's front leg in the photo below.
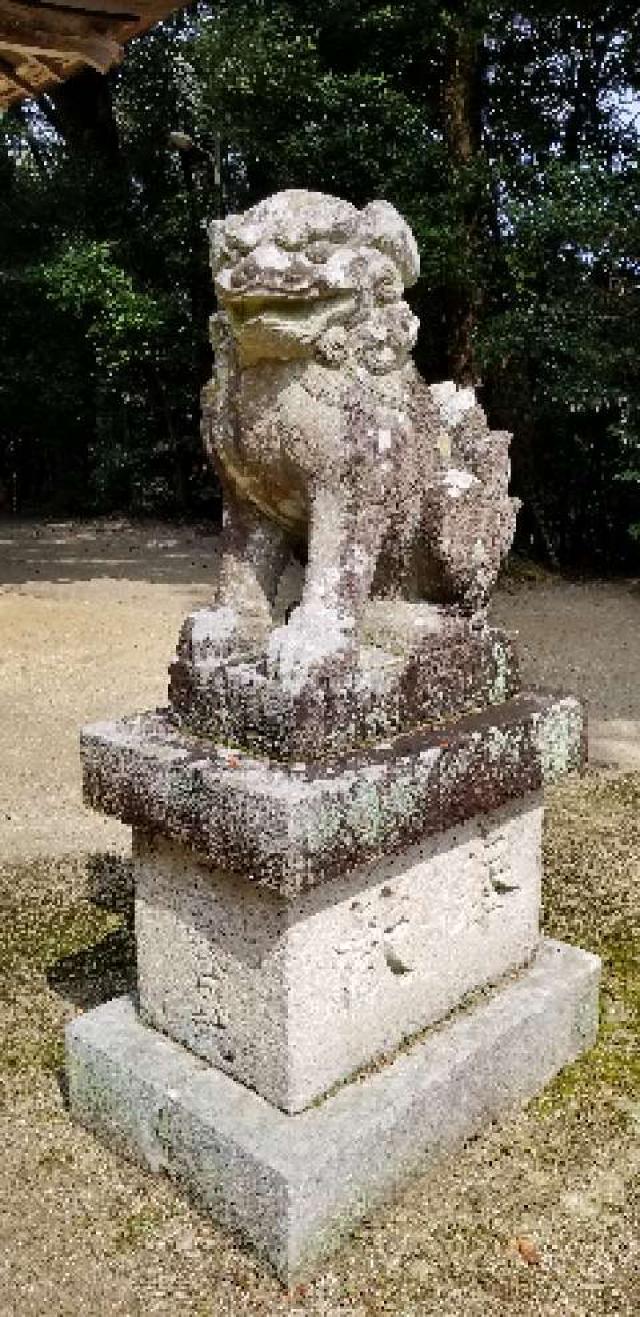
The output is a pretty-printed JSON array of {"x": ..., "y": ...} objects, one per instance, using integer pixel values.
[
  {"x": 345, "y": 532},
  {"x": 239, "y": 618}
]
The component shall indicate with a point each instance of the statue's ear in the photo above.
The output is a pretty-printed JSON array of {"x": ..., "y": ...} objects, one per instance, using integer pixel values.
[
  {"x": 381, "y": 226},
  {"x": 217, "y": 246}
]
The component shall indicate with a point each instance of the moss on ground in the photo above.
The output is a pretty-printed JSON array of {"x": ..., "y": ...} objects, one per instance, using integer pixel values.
[
  {"x": 54, "y": 945},
  {"x": 611, "y": 1069},
  {"x": 138, "y": 1226},
  {"x": 37, "y": 937},
  {"x": 592, "y": 879}
]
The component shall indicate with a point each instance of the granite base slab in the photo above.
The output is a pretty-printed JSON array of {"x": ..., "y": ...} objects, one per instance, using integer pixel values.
[{"x": 292, "y": 1186}]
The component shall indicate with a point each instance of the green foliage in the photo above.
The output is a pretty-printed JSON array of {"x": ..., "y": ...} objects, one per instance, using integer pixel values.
[
  {"x": 103, "y": 344},
  {"x": 506, "y": 136},
  {"x": 121, "y": 322}
]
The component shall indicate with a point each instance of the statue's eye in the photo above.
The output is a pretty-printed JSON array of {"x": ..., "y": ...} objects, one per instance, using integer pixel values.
[
  {"x": 319, "y": 252},
  {"x": 224, "y": 256},
  {"x": 242, "y": 239}
]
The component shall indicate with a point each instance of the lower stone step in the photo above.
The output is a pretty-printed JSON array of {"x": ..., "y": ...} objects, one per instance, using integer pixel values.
[{"x": 293, "y": 1185}]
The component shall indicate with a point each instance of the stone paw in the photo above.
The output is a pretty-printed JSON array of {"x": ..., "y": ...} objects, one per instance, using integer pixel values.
[
  {"x": 209, "y": 636},
  {"x": 313, "y": 643}
]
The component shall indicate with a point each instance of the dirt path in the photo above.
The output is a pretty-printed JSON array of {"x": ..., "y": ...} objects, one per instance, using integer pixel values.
[
  {"x": 583, "y": 638},
  {"x": 89, "y": 617}
]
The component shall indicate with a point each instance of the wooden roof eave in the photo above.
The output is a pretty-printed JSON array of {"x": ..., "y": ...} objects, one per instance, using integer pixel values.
[{"x": 43, "y": 42}]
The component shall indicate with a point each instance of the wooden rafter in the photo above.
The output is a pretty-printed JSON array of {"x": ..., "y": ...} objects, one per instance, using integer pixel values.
[
  {"x": 52, "y": 70},
  {"x": 120, "y": 10},
  {"x": 8, "y": 71}
]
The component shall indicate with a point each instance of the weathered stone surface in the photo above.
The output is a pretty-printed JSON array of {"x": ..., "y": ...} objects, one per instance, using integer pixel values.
[
  {"x": 371, "y": 854},
  {"x": 417, "y": 665},
  {"x": 292, "y": 826},
  {"x": 293, "y": 1185},
  {"x": 326, "y": 439},
  {"x": 293, "y": 996}
]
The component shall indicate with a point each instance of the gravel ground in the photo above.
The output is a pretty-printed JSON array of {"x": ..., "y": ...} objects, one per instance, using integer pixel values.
[{"x": 537, "y": 1217}]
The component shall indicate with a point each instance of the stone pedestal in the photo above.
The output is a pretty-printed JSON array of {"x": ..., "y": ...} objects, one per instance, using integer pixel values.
[
  {"x": 340, "y": 971},
  {"x": 293, "y": 995}
]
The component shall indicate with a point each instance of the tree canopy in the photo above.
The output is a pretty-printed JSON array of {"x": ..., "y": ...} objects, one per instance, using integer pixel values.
[{"x": 508, "y": 137}]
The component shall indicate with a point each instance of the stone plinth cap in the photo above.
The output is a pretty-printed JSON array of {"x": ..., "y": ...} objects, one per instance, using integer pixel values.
[{"x": 292, "y": 826}]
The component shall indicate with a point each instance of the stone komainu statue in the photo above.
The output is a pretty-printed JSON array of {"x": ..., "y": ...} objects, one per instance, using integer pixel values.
[{"x": 329, "y": 444}]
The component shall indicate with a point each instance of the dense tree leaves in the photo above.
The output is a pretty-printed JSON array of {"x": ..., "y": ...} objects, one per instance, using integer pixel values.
[{"x": 507, "y": 136}]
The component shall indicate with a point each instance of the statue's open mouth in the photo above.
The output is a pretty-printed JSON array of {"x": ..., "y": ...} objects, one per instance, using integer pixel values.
[{"x": 266, "y": 303}]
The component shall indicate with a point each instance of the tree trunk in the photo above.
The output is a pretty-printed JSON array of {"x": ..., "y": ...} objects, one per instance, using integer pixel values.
[
  {"x": 81, "y": 109},
  {"x": 462, "y": 111}
]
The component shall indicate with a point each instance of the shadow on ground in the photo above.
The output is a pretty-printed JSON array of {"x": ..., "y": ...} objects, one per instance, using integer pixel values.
[
  {"x": 95, "y": 975},
  {"x": 106, "y": 968},
  {"x": 33, "y": 552},
  {"x": 110, "y": 882}
]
